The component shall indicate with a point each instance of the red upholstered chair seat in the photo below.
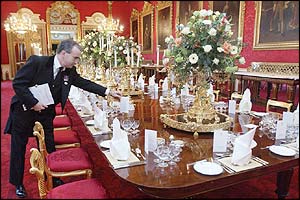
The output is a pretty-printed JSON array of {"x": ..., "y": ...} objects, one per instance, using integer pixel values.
[
  {"x": 66, "y": 160},
  {"x": 83, "y": 189},
  {"x": 60, "y": 122},
  {"x": 66, "y": 137}
]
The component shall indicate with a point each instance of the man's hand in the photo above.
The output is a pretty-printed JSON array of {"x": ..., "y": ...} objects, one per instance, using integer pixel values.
[
  {"x": 115, "y": 93},
  {"x": 39, "y": 107}
]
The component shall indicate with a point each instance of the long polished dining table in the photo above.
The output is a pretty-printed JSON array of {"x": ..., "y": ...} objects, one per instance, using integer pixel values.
[{"x": 181, "y": 180}]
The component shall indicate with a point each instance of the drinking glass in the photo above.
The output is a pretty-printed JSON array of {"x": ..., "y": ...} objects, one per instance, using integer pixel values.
[
  {"x": 163, "y": 154},
  {"x": 135, "y": 125},
  {"x": 174, "y": 152},
  {"x": 126, "y": 124}
]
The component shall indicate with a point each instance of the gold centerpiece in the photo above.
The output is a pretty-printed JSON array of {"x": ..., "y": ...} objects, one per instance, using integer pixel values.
[{"x": 202, "y": 46}]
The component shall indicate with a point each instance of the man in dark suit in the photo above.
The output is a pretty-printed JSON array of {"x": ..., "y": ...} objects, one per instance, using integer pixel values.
[{"x": 59, "y": 73}]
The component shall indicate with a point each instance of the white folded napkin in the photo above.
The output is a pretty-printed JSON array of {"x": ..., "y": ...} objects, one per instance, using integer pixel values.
[
  {"x": 210, "y": 93},
  {"x": 141, "y": 81},
  {"x": 242, "y": 150},
  {"x": 152, "y": 81},
  {"x": 243, "y": 120},
  {"x": 86, "y": 106},
  {"x": 100, "y": 119},
  {"x": 245, "y": 104},
  {"x": 119, "y": 146},
  {"x": 165, "y": 84}
]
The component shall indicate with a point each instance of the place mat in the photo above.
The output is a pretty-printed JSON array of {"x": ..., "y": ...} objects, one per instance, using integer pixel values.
[
  {"x": 97, "y": 132},
  {"x": 227, "y": 162},
  {"x": 117, "y": 163},
  {"x": 291, "y": 146}
]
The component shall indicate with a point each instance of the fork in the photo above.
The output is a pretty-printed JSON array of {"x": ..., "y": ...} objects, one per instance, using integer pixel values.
[{"x": 226, "y": 168}]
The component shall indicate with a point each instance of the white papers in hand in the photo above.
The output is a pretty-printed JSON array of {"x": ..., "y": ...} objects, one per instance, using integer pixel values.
[{"x": 42, "y": 93}]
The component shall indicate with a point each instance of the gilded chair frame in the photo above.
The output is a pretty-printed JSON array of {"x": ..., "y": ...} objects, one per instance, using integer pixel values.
[{"x": 38, "y": 131}]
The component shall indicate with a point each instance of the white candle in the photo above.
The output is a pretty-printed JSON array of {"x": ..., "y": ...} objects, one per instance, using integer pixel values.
[
  {"x": 132, "y": 62},
  {"x": 115, "y": 52},
  {"x": 138, "y": 56},
  {"x": 157, "y": 55},
  {"x": 102, "y": 42},
  {"x": 128, "y": 59}
]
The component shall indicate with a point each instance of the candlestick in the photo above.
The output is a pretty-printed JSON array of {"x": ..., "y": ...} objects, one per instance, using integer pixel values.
[
  {"x": 132, "y": 62},
  {"x": 115, "y": 53},
  {"x": 138, "y": 56},
  {"x": 102, "y": 41},
  {"x": 128, "y": 59},
  {"x": 157, "y": 55}
]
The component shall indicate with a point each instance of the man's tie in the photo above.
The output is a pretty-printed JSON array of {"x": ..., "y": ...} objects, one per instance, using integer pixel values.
[{"x": 58, "y": 73}]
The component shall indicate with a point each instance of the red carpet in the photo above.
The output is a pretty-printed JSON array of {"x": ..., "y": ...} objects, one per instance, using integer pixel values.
[{"x": 262, "y": 187}]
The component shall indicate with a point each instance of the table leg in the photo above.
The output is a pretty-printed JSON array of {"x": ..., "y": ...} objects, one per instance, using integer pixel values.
[
  {"x": 290, "y": 93},
  {"x": 283, "y": 183},
  {"x": 274, "y": 94}
]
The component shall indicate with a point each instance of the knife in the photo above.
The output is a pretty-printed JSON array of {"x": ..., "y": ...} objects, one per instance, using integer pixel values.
[{"x": 119, "y": 166}]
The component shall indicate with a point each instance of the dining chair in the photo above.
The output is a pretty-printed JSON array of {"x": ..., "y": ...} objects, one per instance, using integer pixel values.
[
  {"x": 216, "y": 93},
  {"x": 64, "y": 162},
  {"x": 66, "y": 139},
  {"x": 280, "y": 104},
  {"x": 62, "y": 122},
  {"x": 82, "y": 189},
  {"x": 236, "y": 95}
]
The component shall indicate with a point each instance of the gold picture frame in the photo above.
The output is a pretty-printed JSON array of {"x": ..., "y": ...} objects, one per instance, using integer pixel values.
[
  {"x": 147, "y": 28},
  {"x": 134, "y": 25},
  {"x": 92, "y": 23},
  {"x": 276, "y": 25},
  {"x": 233, "y": 9},
  {"x": 163, "y": 23},
  {"x": 185, "y": 9}
]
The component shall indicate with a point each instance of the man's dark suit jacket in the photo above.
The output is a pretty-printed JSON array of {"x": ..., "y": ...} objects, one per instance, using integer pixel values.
[{"x": 39, "y": 70}]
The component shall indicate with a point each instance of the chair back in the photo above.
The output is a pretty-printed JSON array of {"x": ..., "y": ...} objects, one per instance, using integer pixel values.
[
  {"x": 38, "y": 131},
  {"x": 38, "y": 168},
  {"x": 236, "y": 95},
  {"x": 280, "y": 104}
]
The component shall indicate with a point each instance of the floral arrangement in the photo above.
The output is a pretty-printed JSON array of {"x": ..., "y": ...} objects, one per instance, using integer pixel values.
[
  {"x": 204, "y": 44},
  {"x": 126, "y": 49},
  {"x": 92, "y": 49},
  {"x": 99, "y": 47}
]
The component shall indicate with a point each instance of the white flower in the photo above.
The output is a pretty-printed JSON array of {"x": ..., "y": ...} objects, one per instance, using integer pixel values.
[
  {"x": 120, "y": 48},
  {"x": 203, "y": 13},
  {"x": 206, "y": 22},
  {"x": 227, "y": 28},
  {"x": 124, "y": 51},
  {"x": 217, "y": 13},
  {"x": 196, "y": 13},
  {"x": 185, "y": 30},
  {"x": 216, "y": 61},
  {"x": 242, "y": 60},
  {"x": 209, "y": 12},
  {"x": 167, "y": 40},
  {"x": 234, "y": 50},
  {"x": 94, "y": 44},
  {"x": 220, "y": 49},
  {"x": 193, "y": 58},
  {"x": 207, "y": 48},
  {"x": 212, "y": 32}
]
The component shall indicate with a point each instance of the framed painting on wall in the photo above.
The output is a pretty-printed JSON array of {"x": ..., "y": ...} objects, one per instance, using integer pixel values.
[
  {"x": 235, "y": 11},
  {"x": 185, "y": 9},
  {"x": 147, "y": 28},
  {"x": 134, "y": 25},
  {"x": 164, "y": 23},
  {"x": 276, "y": 25}
]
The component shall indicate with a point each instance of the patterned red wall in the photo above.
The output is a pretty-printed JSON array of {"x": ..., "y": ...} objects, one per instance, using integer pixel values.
[{"x": 122, "y": 10}]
